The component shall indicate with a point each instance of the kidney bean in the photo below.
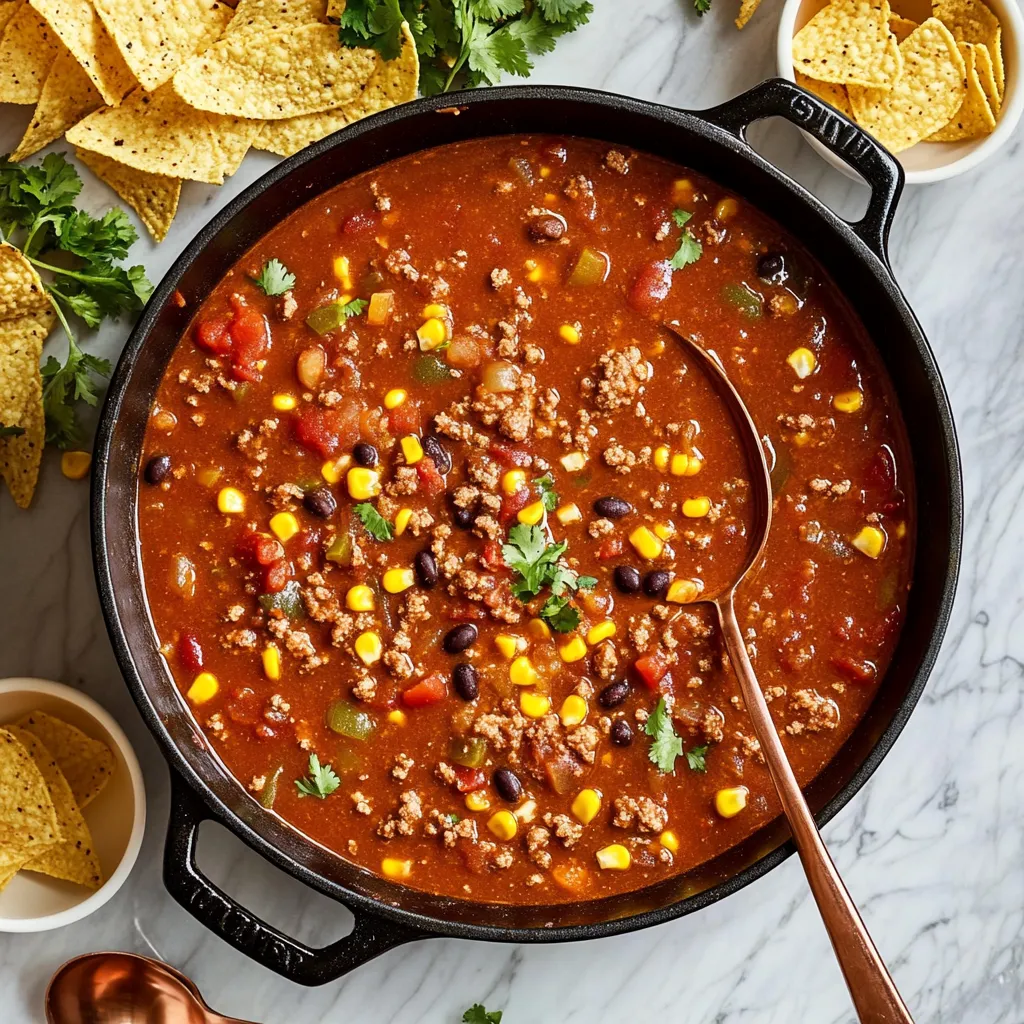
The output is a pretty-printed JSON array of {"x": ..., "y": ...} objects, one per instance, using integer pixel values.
[
  {"x": 157, "y": 469},
  {"x": 545, "y": 228},
  {"x": 458, "y": 638},
  {"x": 425, "y": 566},
  {"x": 612, "y": 507},
  {"x": 507, "y": 783}
]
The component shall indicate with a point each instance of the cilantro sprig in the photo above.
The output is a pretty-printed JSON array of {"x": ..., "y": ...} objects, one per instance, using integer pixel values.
[
  {"x": 321, "y": 781},
  {"x": 80, "y": 257},
  {"x": 464, "y": 43},
  {"x": 690, "y": 250},
  {"x": 375, "y": 524},
  {"x": 275, "y": 278},
  {"x": 548, "y": 495},
  {"x": 666, "y": 746},
  {"x": 478, "y": 1014}
]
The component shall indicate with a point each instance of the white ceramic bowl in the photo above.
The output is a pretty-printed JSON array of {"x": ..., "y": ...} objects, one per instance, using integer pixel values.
[
  {"x": 931, "y": 161},
  {"x": 116, "y": 817}
]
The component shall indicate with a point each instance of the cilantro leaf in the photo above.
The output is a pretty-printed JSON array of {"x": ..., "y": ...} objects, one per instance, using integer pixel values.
[
  {"x": 666, "y": 745},
  {"x": 476, "y": 1014},
  {"x": 561, "y": 616},
  {"x": 376, "y": 525},
  {"x": 354, "y": 308},
  {"x": 563, "y": 10},
  {"x": 695, "y": 759},
  {"x": 690, "y": 250},
  {"x": 85, "y": 235},
  {"x": 320, "y": 782},
  {"x": 528, "y": 553},
  {"x": 6, "y": 431},
  {"x": 63, "y": 385},
  {"x": 493, "y": 53},
  {"x": 546, "y": 483},
  {"x": 702, "y": 6},
  {"x": 275, "y": 278},
  {"x": 495, "y": 10}
]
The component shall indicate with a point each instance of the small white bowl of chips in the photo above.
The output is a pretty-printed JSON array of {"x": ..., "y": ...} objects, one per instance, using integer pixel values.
[
  {"x": 937, "y": 83},
  {"x": 72, "y": 806}
]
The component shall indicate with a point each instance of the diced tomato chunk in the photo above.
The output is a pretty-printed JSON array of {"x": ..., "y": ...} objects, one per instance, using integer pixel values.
[
  {"x": 276, "y": 577},
  {"x": 190, "y": 652},
  {"x": 431, "y": 690},
  {"x": 318, "y": 430},
  {"x": 243, "y": 706},
  {"x": 513, "y": 504},
  {"x": 250, "y": 340},
  {"x": 358, "y": 222},
  {"x": 213, "y": 336},
  {"x": 651, "y": 668},
  {"x": 405, "y": 418},
  {"x": 259, "y": 548},
  {"x": 611, "y": 547},
  {"x": 856, "y": 669},
  {"x": 431, "y": 481},
  {"x": 651, "y": 286},
  {"x": 492, "y": 557},
  {"x": 468, "y": 780},
  {"x": 881, "y": 470},
  {"x": 509, "y": 455}
]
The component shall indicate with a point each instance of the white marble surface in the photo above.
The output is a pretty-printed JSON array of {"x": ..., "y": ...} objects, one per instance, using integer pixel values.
[{"x": 932, "y": 848}]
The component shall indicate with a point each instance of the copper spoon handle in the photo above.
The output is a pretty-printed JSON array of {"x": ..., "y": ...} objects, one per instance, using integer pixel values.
[{"x": 874, "y": 994}]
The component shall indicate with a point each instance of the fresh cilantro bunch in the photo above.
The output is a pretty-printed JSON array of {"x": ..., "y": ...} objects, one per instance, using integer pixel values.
[
  {"x": 464, "y": 43},
  {"x": 80, "y": 257}
]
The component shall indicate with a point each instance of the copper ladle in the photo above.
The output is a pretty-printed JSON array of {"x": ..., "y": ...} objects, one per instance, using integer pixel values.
[
  {"x": 125, "y": 988},
  {"x": 874, "y": 994}
]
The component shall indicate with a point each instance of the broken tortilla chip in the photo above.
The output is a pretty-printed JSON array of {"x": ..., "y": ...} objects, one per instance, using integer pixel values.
[
  {"x": 849, "y": 43},
  {"x": 987, "y": 75},
  {"x": 79, "y": 28},
  {"x": 154, "y": 197},
  {"x": 335, "y": 9},
  {"x": 28, "y": 821},
  {"x": 27, "y": 49},
  {"x": 923, "y": 99},
  {"x": 86, "y": 763},
  {"x": 21, "y": 290},
  {"x": 975, "y": 116},
  {"x": 68, "y": 95},
  {"x": 901, "y": 27},
  {"x": 156, "y": 37},
  {"x": 747, "y": 9},
  {"x": 970, "y": 21},
  {"x": 832, "y": 94},
  {"x": 8, "y": 8}
]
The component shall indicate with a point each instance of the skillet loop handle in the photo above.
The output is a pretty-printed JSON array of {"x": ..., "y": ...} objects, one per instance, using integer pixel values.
[
  {"x": 777, "y": 97},
  {"x": 240, "y": 928}
]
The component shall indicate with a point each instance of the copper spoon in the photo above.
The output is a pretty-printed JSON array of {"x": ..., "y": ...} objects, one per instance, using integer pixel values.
[
  {"x": 125, "y": 988},
  {"x": 874, "y": 994}
]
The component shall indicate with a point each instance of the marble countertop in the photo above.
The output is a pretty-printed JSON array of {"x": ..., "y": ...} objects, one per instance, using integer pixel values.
[{"x": 932, "y": 848}]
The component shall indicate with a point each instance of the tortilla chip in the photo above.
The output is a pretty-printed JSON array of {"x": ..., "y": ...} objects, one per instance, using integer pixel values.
[
  {"x": 27, "y": 50},
  {"x": 975, "y": 116},
  {"x": 74, "y": 859},
  {"x": 335, "y": 9},
  {"x": 849, "y": 43},
  {"x": 154, "y": 197},
  {"x": 156, "y": 37},
  {"x": 394, "y": 81},
  {"x": 747, "y": 9},
  {"x": 299, "y": 70},
  {"x": 28, "y": 821},
  {"x": 971, "y": 21},
  {"x": 68, "y": 95},
  {"x": 986, "y": 75},
  {"x": 8, "y": 8},
  {"x": 159, "y": 133},
  {"x": 21, "y": 290},
  {"x": 832, "y": 94},
  {"x": 926, "y": 96},
  {"x": 20, "y": 350},
  {"x": 81, "y": 31},
  {"x": 901, "y": 27},
  {"x": 260, "y": 16}
]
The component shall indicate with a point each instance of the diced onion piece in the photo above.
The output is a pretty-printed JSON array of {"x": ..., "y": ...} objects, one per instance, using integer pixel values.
[
  {"x": 500, "y": 376},
  {"x": 465, "y": 352},
  {"x": 310, "y": 367}
]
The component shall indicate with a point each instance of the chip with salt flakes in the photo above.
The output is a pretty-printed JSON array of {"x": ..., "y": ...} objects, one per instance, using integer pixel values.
[
  {"x": 335, "y": 9},
  {"x": 68, "y": 95},
  {"x": 970, "y": 21},
  {"x": 28, "y": 822},
  {"x": 975, "y": 116},
  {"x": 986, "y": 75},
  {"x": 925, "y": 96},
  {"x": 848, "y": 42},
  {"x": 271, "y": 15},
  {"x": 834, "y": 95},
  {"x": 8, "y": 8},
  {"x": 21, "y": 290},
  {"x": 27, "y": 49}
]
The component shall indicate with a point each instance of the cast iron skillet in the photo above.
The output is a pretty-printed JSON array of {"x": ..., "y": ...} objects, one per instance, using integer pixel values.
[{"x": 711, "y": 141}]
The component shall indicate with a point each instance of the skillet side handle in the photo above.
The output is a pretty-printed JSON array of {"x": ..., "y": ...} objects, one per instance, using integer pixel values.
[
  {"x": 778, "y": 97},
  {"x": 240, "y": 928}
]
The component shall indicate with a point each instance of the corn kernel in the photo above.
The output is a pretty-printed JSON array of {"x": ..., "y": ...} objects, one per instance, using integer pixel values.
[
  {"x": 696, "y": 508},
  {"x": 359, "y": 598},
  {"x": 522, "y": 673},
  {"x": 694, "y": 464},
  {"x": 684, "y": 591},
  {"x": 545, "y": 172},
  {"x": 284, "y": 526},
  {"x": 397, "y": 580},
  {"x": 606, "y": 758},
  {"x": 726, "y": 208},
  {"x": 513, "y": 480},
  {"x": 613, "y": 858},
  {"x": 477, "y": 801},
  {"x": 729, "y": 802},
  {"x": 507, "y": 644},
  {"x": 538, "y": 629},
  {"x": 666, "y": 531},
  {"x": 402, "y": 518},
  {"x": 284, "y": 403},
  {"x": 682, "y": 191},
  {"x": 231, "y": 501},
  {"x": 342, "y": 271},
  {"x": 801, "y": 438},
  {"x": 412, "y": 449},
  {"x": 75, "y": 465},
  {"x": 803, "y": 362},
  {"x": 670, "y": 841},
  {"x": 602, "y": 631},
  {"x": 392, "y": 867},
  {"x": 848, "y": 401},
  {"x": 686, "y": 465},
  {"x": 550, "y": 199},
  {"x": 645, "y": 543},
  {"x": 363, "y": 483},
  {"x": 503, "y": 824},
  {"x": 574, "y": 650},
  {"x": 332, "y": 471},
  {"x": 870, "y": 541},
  {"x": 662, "y": 457},
  {"x": 272, "y": 662},
  {"x": 573, "y": 710},
  {"x": 395, "y": 397},
  {"x": 534, "y": 705},
  {"x": 586, "y": 805},
  {"x": 435, "y": 309},
  {"x": 901, "y": 530},
  {"x": 573, "y": 462},
  {"x": 569, "y": 334},
  {"x": 397, "y": 717},
  {"x": 532, "y": 514},
  {"x": 209, "y": 475},
  {"x": 534, "y": 273},
  {"x": 432, "y": 333},
  {"x": 203, "y": 688},
  {"x": 567, "y": 514},
  {"x": 369, "y": 648}
]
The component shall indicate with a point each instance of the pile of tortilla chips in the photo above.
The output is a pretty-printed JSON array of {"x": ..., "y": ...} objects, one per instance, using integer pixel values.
[
  {"x": 153, "y": 92},
  {"x": 49, "y": 771},
  {"x": 938, "y": 81}
]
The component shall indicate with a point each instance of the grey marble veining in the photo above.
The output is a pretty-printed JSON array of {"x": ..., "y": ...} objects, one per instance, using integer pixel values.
[{"x": 932, "y": 848}]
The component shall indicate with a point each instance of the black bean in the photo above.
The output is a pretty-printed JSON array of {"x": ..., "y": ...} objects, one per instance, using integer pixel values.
[
  {"x": 545, "y": 228},
  {"x": 507, "y": 783},
  {"x": 656, "y": 583},
  {"x": 426, "y": 569},
  {"x": 466, "y": 681},
  {"x": 462, "y": 518},
  {"x": 612, "y": 507},
  {"x": 157, "y": 469},
  {"x": 621, "y": 733},
  {"x": 320, "y": 502},
  {"x": 771, "y": 268},
  {"x": 458, "y": 638},
  {"x": 365, "y": 454},
  {"x": 627, "y": 579},
  {"x": 437, "y": 451},
  {"x": 613, "y": 694}
]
